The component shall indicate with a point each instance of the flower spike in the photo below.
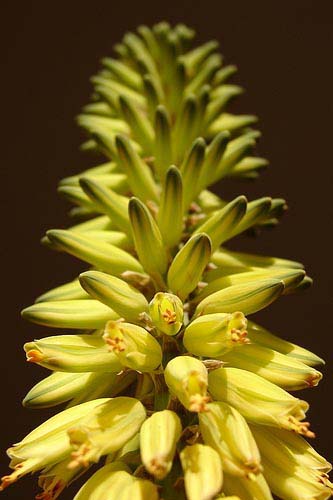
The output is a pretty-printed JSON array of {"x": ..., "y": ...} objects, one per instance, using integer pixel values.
[{"x": 161, "y": 369}]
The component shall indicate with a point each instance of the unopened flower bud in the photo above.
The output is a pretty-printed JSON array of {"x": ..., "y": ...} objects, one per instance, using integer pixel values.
[
  {"x": 245, "y": 489},
  {"x": 202, "y": 472},
  {"x": 108, "y": 481},
  {"x": 187, "y": 378},
  {"x": 106, "y": 429},
  {"x": 166, "y": 312},
  {"x": 213, "y": 335},
  {"x": 133, "y": 346},
  {"x": 158, "y": 439},
  {"x": 225, "y": 429},
  {"x": 258, "y": 400}
]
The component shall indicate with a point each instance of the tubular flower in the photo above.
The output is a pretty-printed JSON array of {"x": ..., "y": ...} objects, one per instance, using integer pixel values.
[{"x": 161, "y": 369}]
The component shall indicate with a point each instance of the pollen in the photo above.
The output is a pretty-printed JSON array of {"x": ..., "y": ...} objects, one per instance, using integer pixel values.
[
  {"x": 239, "y": 336},
  {"x": 116, "y": 343},
  {"x": 198, "y": 403},
  {"x": 169, "y": 316},
  {"x": 34, "y": 356}
]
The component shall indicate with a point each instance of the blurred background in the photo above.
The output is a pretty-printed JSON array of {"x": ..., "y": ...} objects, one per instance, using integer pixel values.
[{"x": 283, "y": 52}]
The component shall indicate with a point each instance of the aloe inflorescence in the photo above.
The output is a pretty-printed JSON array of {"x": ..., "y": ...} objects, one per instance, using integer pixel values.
[{"x": 166, "y": 383}]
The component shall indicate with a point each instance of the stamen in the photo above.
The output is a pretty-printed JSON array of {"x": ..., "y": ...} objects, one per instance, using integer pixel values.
[{"x": 169, "y": 316}]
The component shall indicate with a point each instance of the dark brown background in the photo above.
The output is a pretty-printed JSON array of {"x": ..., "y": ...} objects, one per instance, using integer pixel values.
[{"x": 283, "y": 50}]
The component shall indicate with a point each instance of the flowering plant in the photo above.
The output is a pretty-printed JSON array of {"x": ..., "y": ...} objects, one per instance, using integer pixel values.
[{"x": 166, "y": 382}]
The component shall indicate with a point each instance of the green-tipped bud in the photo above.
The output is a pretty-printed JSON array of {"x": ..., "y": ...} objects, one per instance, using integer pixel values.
[
  {"x": 60, "y": 387},
  {"x": 166, "y": 312},
  {"x": 225, "y": 429},
  {"x": 140, "y": 178},
  {"x": 170, "y": 213},
  {"x": 278, "y": 368},
  {"x": 184, "y": 130},
  {"x": 258, "y": 400},
  {"x": 140, "y": 489},
  {"x": 139, "y": 124},
  {"x": 109, "y": 202},
  {"x": 191, "y": 169},
  {"x": 73, "y": 353},
  {"x": 148, "y": 240},
  {"x": 104, "y": 256},
  {"x": 195, "y": 57},
  {"x": 133, "y": 346},
  {"x": 77, "y": 314},
  {"x": 289, "y": 277},
  {"x": 163, "y": 144},
  {"x": 221, "y": 224},
  {"x": 226, "y": 258},
  {"x": 246, "y": 489},
  {"x": 48, "y": 443},
  {"x": 288, "y": 449},
  {"x": 69, "y": 291},
  {"x": 213, "y": 157},
  {"x": 107, "y": 429},
  {"x": 213, "y": 335},
  {"x": 188, "y": 265},
  {"x": 110, "y": 480},
  {"x": 124, "y": 299},
  {"x": 187, "y": 379},
  {"x": 256, "y": 212},
  {"x": 248, "y": 298},
  {"x": 158, "y": 439},
  {"x": 298, "y": 482},
  {"x": 202, "y": 472},
  {"x": 260, "y": 335}
]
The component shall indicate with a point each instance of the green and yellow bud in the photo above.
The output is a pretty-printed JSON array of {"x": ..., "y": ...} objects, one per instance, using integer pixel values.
[
  {"x": 203, "y": 474},
  {"x": 147, "y": 240},
  {"x": 290, "y": 278},
  {"x": 109, "y": 202},
  {"x": 163, "y": 144},
  {"x": 73, "y": 353},
  {"x": 60, "y": 387},
  {"x": 299, "y": 482},
  {"x": 288, "y": 449},
  {"x": 227, "y": 258},
  {"x": 219, "y": 225},
  {"x": 105, "y": 430},
  {"x": 103, "y": 256},
  {"x": 245, "y": 488},
  {"x": 139, "y": 176},
  {"x": 258, "y": 400},
  {"x": 115, "y": 293},
  {"x": 187, "y": 379},
  {"x": 133, "y": 346},
  {"x": 140, "y": 489},
  {"x": 69, "y": 291},
  {"x": 213, "y": 335},
  {"x": 187, "y": 267},
  {"x": 76, "y": 314},
  {"x": 159, "y": 435},
  {"x": 109, "y": 480},
  {"x": 225, "y": 429},
  {"x": 170, "y": 213},
  {"x": 166, "y": 312},
  {"x": 261, "y": 336},
  {"x": 248, "y": 298},
  {"x": 282, "y": 370}
]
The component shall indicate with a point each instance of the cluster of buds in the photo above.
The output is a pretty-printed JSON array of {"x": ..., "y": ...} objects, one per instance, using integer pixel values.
[{"x": 167, "y": 384}]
